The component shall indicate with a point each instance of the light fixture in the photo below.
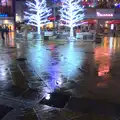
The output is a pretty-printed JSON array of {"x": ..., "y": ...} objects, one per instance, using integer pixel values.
[{"x": 47, "y": 97}]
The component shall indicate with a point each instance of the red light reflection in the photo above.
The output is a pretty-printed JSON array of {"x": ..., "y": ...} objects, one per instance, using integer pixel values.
[
  {"x": 103, "y": 70},
  {"x": 102, "y": 58}
]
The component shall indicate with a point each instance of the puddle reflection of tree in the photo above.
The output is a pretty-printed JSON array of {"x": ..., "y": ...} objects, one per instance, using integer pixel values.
[{"x": 55, "y": 79}]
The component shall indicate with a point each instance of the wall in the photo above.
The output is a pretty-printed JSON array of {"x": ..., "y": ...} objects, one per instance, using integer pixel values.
[
  {"x": 19, "y": 10},
  {"x": 91, "y": 13},
  {"x": 6, "y": 7},
  {"x": 8, "y": 2}
]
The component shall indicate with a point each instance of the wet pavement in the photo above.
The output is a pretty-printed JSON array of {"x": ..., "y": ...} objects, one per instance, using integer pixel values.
[{"x": 61, "y": 80}]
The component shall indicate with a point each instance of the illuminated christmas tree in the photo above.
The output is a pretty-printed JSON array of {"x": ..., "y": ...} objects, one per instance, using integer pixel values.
[
  {"x": 37, "y": 13},
  {"x": 71, "y": 14}
]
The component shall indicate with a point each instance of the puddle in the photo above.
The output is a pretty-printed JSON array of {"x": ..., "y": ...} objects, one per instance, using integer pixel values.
[
  {"x": 4, "y": 110},
  {"x": 55, "y": 99}
]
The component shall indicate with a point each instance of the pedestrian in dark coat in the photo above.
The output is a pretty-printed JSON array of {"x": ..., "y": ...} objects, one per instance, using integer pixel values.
[{"x": 2, "y": 33}]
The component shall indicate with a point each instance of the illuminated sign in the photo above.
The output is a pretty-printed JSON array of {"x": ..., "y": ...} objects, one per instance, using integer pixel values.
[
  {"x": 104, "y": 15},
  {"x": 3, "y": 15}
]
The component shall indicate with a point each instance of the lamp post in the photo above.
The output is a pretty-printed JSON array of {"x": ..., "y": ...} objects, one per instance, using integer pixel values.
[
  {"x": 14, "y": 13},
  {"x": 54, "y": 14}
]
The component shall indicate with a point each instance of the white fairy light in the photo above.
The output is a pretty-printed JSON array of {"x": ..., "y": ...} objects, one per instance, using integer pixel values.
[
  {"x": 71, "y": 14},
  {"x": 37, "y": 13}
]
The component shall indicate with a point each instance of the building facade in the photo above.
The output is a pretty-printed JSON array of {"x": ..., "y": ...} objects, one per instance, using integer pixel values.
[
  {"x": 20, "y": 8},
  {"x": 98, "y": 13},
  {"x": 7, "y": 13},
  {"x": 105, "y": 18}
]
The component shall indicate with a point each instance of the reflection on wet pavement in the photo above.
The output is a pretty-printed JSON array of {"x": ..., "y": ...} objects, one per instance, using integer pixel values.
[{"x": 85, "y": 71}]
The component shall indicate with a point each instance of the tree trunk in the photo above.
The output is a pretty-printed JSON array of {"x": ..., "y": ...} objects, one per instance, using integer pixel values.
[
  {"x": 26, "y": 33},
  {"x": 38, "y": 30},
  {"x": 71, "y": 32},
  {"x": 38, "y": 24}
]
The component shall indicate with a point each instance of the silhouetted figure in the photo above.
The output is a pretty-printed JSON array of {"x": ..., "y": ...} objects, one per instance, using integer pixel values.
[
  {"x": 10, "y": 29},
  {"x": 7, "y": 32},
  {"x": 2, "y": 33}
]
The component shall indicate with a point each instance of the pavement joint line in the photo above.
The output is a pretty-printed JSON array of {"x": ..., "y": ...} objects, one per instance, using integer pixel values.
[
  {"x": 77, "y": 116},
  {"x": 12, "y": 112},
  {"x": 36, "y": 114},
  {"x": 40, "y": 77},
  {"x": 23, "y": 93},
  {"x": 67, "y": 102},
  {"x": 10, "y": 72},
  {"x": 24, "y": 103},
  {"x": 20, "y": 70},
  {"x": 39, "y": 115},
  {"x": 5, "y": 97}
]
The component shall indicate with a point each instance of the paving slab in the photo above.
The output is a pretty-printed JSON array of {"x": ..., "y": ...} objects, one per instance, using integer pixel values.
[{"x": 86, "y": 72}]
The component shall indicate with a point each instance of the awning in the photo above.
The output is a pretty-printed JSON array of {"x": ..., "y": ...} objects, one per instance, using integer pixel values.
[{"x": 114, "y": 22}]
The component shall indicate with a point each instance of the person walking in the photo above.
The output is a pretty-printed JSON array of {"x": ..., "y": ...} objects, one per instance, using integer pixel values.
[
  {"x": 25, "y": 32},
  {"x": 10, "y": 30},
  {"x": 7, "y": 33},
  {"x": 2, "y": 33}
]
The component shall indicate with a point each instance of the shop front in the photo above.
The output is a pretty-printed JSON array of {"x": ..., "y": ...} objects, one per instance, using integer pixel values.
[
  {"x": 8, "y": 21},
  {"x": 103, "y": 17},
  {"x": 103, "y": 20},
  {"x": 7, "y": 13}
]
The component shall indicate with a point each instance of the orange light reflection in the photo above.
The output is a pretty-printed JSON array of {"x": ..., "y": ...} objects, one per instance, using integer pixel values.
[
  {"x": 102, "y": 58},
  {"x": 12, "y": 39}
]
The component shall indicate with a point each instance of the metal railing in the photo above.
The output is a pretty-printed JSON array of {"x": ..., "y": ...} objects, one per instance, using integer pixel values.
[
  {"x": 19, "y": 36},
  {"x": 86, "y": 36}
]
